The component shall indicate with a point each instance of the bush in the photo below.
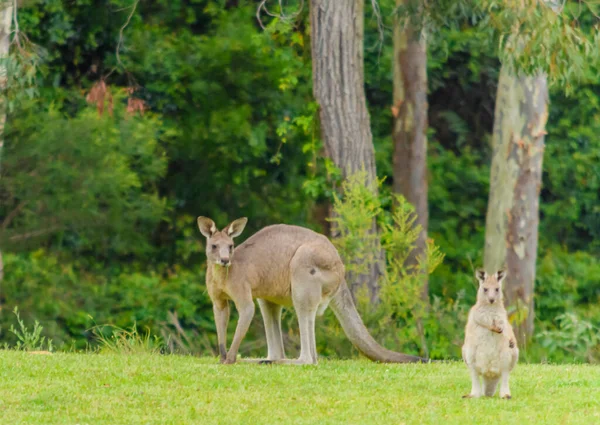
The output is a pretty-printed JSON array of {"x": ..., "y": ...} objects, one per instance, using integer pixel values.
[
  {"x": 85, "y": 183},
  {"x": 68, "y": 301},
  {"x": 402, "y": 319}
]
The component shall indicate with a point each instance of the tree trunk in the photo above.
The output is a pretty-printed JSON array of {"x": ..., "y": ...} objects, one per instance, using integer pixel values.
[
  {"x": 338, "y": 84},
  {"x": 513, "y": 209},
  {"x": 338, "y": 87},
  {"x": 410, "y": 127},
  {"x": 6, "y": 14}
]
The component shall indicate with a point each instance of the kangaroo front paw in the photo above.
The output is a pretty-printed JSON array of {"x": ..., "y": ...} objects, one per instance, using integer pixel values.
[{"x": 506, "y": 396}]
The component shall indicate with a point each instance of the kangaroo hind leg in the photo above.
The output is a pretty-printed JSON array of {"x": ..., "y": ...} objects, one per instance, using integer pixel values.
[
  {"x": 307, "y": 296},
  {"x": 316, "y": 272},
  {"x": 475, "y": 384},
  {"x": 504, "y": 388},
  {"x": 271, "y": 314},
  {"x": 306, "y": 302}
]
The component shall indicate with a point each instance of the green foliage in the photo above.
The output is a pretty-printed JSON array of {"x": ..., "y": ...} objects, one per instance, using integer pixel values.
[
  {"x": 567, "y": 282},
  {"x": 397, "y": 319},
  {"x": 560, "y": 39},
  {"x": 64, "y": 296},
  {"x": 29, "y": 340},
  {"x": 402, "y": 283},
  {"x": 573, "y": 339},
  {"x": 233, "y": 149},
  {"x": 81, "y": 179},
  {"x": 354, "y": 212},
  {"x": 571, "y": 172},
  {"x": 22, "y": 68}
]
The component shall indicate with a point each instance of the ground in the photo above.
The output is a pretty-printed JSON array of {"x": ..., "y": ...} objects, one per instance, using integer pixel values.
[{"x": 154, "y": 389}]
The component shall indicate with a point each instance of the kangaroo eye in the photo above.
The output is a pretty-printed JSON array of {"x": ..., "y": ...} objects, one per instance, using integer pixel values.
[
  {"x": 497, "y": 289},
  {"x": 485, "y": 289},
  {"x": 214, "y": 247},
  {"x": 231, "y": 247}
]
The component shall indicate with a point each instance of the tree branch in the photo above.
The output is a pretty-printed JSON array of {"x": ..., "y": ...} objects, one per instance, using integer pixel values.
[
  {"x": 281, "y": 16},
  {"x": 33, "y": 234},
  {"x": 120, "y": 41},
  {"x": 13, "y": 214}
]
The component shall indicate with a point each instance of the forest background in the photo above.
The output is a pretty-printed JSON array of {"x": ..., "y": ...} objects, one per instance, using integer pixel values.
[{"x": 126, "y": 120}]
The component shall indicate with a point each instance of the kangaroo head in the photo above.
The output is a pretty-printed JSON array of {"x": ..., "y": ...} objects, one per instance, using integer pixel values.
[
  {"x": 490, "y": 286},
  {"x": 219, "y": 244}
]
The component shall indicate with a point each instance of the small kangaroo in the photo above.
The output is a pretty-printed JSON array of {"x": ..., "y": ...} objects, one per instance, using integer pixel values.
[
  {"x": 281, "y": 265},
  {"x": 490, "y": 349}
]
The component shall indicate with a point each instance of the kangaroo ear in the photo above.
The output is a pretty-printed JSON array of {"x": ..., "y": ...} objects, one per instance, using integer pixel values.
[
  {"x": 236, "y": 227},
  {"x": 500, "y": 275},
  {"x": 207, "y": 226},
  {"x": 480, "y": 274}
]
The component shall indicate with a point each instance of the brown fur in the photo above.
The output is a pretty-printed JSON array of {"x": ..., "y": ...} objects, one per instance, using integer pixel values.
[{"x": 281, "y": 265}]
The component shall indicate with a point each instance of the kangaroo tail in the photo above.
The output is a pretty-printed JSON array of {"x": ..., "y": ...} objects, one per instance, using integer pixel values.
[
  {"x": 345, "y": 311},
  {"x": 490, "y": 385}
]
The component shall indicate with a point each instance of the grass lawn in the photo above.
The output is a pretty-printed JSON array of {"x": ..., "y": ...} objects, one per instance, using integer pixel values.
[{"x": 153, "y": 389}]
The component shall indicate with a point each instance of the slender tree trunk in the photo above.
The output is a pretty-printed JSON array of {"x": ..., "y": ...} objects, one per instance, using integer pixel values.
[
  {"x": 338, "y": 87},
  {"x": 6, "y": 14},
  {"x": 410, "y": 140},
  {"x": 410, "y": 127},
  {"x": 516, "y": 175}
]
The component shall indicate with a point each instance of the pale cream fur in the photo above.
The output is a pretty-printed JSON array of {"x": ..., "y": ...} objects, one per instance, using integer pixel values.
[
  {"x": 490, "y": 349},
  {"x": 281, "y": 265}
]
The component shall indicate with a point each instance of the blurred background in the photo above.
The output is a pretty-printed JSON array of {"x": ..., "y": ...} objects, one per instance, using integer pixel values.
[{"x": 126, "y": 120}]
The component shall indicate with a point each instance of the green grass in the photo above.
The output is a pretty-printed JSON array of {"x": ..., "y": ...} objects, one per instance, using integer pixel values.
[{"x": 154, "y": 389}]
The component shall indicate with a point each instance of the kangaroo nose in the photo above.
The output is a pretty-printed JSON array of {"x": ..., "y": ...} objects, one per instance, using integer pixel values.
[
  {"x": 492, "y": 301},
  {"x": 225, "y": 261}
]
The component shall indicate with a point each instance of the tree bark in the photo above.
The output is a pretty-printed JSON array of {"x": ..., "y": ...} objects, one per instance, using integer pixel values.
[
  {"x": 338, "y": 86},
  {"x": 410, "y": 127},
  {"x": 6, "y": 14},
  {"x": 516, "y": 175}
]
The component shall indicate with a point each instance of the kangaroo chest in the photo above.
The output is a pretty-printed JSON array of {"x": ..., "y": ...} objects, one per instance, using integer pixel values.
[{"x": 217, "y": 283}]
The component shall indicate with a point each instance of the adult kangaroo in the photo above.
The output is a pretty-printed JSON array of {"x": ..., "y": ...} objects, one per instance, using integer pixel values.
[{"x": 282, "y": 265}]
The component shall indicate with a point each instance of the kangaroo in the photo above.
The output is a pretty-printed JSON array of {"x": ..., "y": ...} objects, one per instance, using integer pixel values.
[
  {"x": 281, "y": 266},
  {"x": 490, "y": 349}
]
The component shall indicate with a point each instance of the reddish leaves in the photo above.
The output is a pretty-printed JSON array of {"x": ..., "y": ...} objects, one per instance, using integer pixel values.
[
  {"x": 98, "y": 95},
  {"x": 135, "y": 104},
  {"x": 101, "y": 96}
]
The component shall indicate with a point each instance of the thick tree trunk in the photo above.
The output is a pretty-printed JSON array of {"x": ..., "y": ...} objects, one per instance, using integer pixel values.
[
  {"x": 410, "y": 127},
  {"x": 6, "y": 14},
  {"x": 516, "y": 174},
  {"x": 338, "y": 87},
  {"x": 338, "y": 84}
]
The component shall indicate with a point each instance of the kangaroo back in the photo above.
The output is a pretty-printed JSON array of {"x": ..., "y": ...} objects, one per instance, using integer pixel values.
[{"x": 265, "y": 259}]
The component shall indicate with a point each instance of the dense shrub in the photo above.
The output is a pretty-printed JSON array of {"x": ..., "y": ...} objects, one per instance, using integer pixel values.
[{"x": 68, "y": 301}]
